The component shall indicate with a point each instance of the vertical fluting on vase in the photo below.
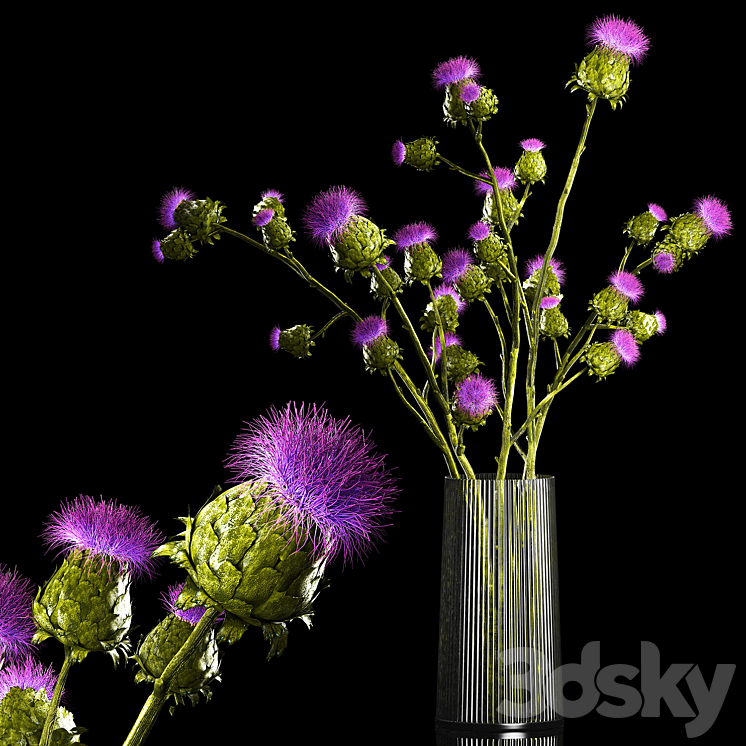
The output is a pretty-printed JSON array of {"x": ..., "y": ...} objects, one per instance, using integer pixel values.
[{"x": 499, "y": 642}]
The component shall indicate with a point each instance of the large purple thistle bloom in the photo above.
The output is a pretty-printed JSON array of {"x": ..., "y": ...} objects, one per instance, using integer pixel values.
[
  {"x": 327, "y": 215},
  {"x": 538, "y": 261},
  {"x": 368, "y": 330},
  {"x": 169, "y": 203},
  {"x": 503, "y": 176},
  {"x": 616, "y": 35},
  {"x": 453, "y": 70},
  {"x": 476, "y": 395},
  {"x": 714, "y": 214},
  {"x": 627, "y": 284},
  {"x": 108, "y": 532},
  {"x": 455, "y": 263},
  {"x": 414, "y": 233},
  {"x": 17, "y": 625},
  {"x": 29, "y": 674},
  {"x": 625, "y": 345},
  {"x": 324, "y": 473}
]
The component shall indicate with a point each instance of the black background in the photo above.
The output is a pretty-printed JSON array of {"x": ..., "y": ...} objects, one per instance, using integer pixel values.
[{"x": 129, "y": 380}]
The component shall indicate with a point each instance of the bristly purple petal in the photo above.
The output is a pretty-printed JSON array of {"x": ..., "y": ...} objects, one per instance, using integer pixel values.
[
  {"x": 272, "y": 193},
  {"x": 453, "y": 70},
  {"x": 455, "y": 263},
  {"x": 413, "y": 233},
  {"x": 192, "y": 615},
  {"x": 532, "y": 145},
  {"x": 479, "y": 231},
  {"x": 263, "y": 217},
  {"x": 470, "y": 92},
  {"x": 476, "y": 395},
  {"x": 398, "y": 152},
  {"x": 664, "y": 263},
  {"x": 504, "y": 177},
  {"x": 368, "y": 330},
  {"x": 325, "y": 475},
  {"x": 627, "y": 284},
  {"x": 155, "y": 249},
  {"x": 446, "y": 289},
  {"x": 661, "y": 322},
  {"x": 17, "y": 625},
  {"x": 551, "y": 301},
  {"x": 325, "y": 218},
  {"x": 623, "y": 37},
  {"x": 107, "y": 532},
  {"x": 624, "y": 343},
  {"x": 450, "y": 339},
  {"x": 29, "y": 674},
  {"x": 274, "y": 338},
  {"x": 657, "y": 212},
  {"x": 714, "y": 214},
  {"x": 536, "y": 263},
  {"x": 169, "y": 203}
]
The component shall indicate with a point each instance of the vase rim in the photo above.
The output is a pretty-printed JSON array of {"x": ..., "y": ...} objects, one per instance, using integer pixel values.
[{"x": 490, "y": 477}]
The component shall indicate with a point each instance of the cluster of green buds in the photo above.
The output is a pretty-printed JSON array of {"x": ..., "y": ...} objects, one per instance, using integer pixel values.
[
  {"x": 465, "y": 100},
  {"x": 420, "y": 154},
  {"x": 269, "y": 217},
  {"x": 296, "y": 340}
]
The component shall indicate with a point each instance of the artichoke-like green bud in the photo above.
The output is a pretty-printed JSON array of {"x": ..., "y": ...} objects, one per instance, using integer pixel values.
[
  {"x": 610, "y": 304},
  {"x": 482, "y": 107},
  {"x": 642, "y": 227},
  {"x": 603, "y": 73},
  {"x": 245, "y": 559},
  {"x": 421, "y": 263},
  {"x": 689, "y": 232},
  {"x": 474, "y": 399},
  {"x": 276, "y": 233},
  {"x": 84, "y": 609},
  {"x": 454, "y": 110},
  {"x": 602, "y": 359},
  {"x": 641, "y": 325},
  {"x": 421, "y": 153},
  {"x": 531, "y": 167},
  {"x": 296, "y": 340},
  {"x": 553, "y": 323},
  {"x": 23, "y": 712},
  {"x": 667, "y": 253},
  {"x": 498, "y": 272},
  {"x": 199, "y": 218},
  {"x": 381, "y": 354},
  {"x": 473, "y": 283},
  {"x": 460, "y": 363},
  {"x": 491, "y": 249},
  {"x": 551, "y": 283},
  {"x": 156, "y": 650},
  {"x": 176, "y": 245},
  {"x": 448, "y": 311},
  {"x": 510, "y": 207},
  {"x": 391, "y": 276},
  {"x": 358, "y": 246}
]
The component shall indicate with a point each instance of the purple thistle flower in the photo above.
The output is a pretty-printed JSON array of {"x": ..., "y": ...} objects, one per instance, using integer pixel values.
[
  {"x": 625, "y": 345},
  {"x": 715, "y": 215},
  {"x": 17, "y": 625},
  {"x": 155, "y": 249},
  {"x": 616, "y": 35},
  {"x": 324, "y": 473},
  {"x": 413, "y": 233},
  {"x": 446, "y": 289},
  {"x": 470, "y": 92},
  {"x": 476, "y": 395},
  {"x": 398, "y": 152},
  {"x": 368, "y": 330},
  {"x": 664, "y": 262},
  {"x": 272, "y": 193},
  {"x": 192, "y": 615},
  {"x": 661, "y": 322},
  {"x": 657, "y": 212},
  {"x": 327, "y": 215},
  {"x": 532, "y": 145},
  {"x": 536, "y": 263},
  {"x": 274, "y": 338},
  {"x": 109, "y": 532},
  {"x": 383, "y": 262},
  {"x": 505, "y": 180},
  {"x": 29, "y": 674},
  {"x": 479, "y": 231},
  {"x": 263, "y": 217},
  {"x": 450, "y": 339},
  {"x": 550, "y": 301},
  {"x": 169, "y": 203},
  {"x": 627, "y": 284},
  {"x": 455, "y": 263},
  {"x": 455, "y": 69}
]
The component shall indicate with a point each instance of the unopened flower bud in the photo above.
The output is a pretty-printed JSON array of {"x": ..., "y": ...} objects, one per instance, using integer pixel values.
[
  {"x": 641, "y": 325},
  {"x": 421, "y": 153},
  {"x": 553, "y": 323},
  {"x": 296, "y": 340},
  {"x": 531, "y": 166},
  {"x": 199, "y": 218},
  {"x": 176, "y": 245},
  {"x": 447, "y": 307},
  {"x": 276, "y": 233},
  {"x": 642, "y": 227}
]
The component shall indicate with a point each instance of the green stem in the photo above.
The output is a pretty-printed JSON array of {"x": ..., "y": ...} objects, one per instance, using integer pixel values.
[
  {"x": 161, "y": 689},
  {"x": 49, "y": 724}
]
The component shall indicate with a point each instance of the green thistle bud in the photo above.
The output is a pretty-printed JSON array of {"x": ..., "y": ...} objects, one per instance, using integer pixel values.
[
  {"x": 460, "y": 363},
  {"x": 358, "y": 246},
  {"x": 610, "y": 304},
  {"x": 421, "y": 153},
  {"x": 641, "y": 325},
  {"x": 381, "y": 355},
  {"x": 509, "y": 203},
  {"x": 553, "y": 323},
  {"x": 176, "y": 245},
  {"x": 297, "y": 340},
  {"x": 421, "y": 263},
  {"x": 271, "y": 201},
  {"x": 689, "y": 232},
  {"x": 602, "y": 359},
  {"x": 491, "y": 249},
  {"x": 453, "y": 107},
  {"x": 498, "y": 271},
  {"x": 483, "y": 107},
  {"x": 604, "y": 73},
  {"x": 23, "y": 712},
  {"x": 531, "y": 167},
  {"x": 199, "y": 218},
  {"x": 642, "y": 227},
  {"x": 277, "y": 234},
  {"x": 448, "y": 311},
  {"x": 393, "y": 279},
  {"x": 473, "y": 283}
]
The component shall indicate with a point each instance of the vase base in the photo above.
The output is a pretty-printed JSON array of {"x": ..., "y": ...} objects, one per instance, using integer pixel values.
[{"x": 512, "y": 730}]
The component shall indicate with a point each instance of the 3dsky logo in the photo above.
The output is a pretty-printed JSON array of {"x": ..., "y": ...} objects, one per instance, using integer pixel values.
[{"x": 595, "y": 681}]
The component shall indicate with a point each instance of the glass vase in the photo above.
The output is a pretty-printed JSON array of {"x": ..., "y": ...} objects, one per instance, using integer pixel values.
[{"x": 499, "y": 641}]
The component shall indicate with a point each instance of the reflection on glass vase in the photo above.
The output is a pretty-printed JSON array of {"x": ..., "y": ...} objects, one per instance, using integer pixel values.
[{"x": 499, "y": 642}]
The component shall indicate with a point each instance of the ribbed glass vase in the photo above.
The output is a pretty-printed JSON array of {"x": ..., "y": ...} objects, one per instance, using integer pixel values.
[{"x": 499, "y": 642}]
